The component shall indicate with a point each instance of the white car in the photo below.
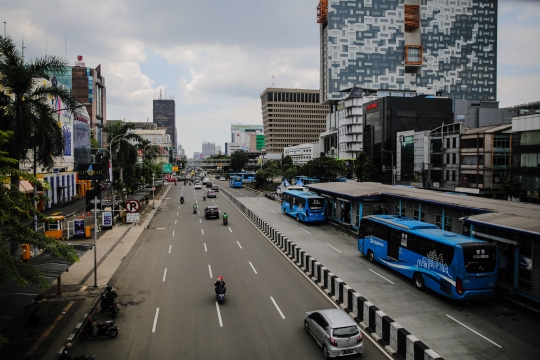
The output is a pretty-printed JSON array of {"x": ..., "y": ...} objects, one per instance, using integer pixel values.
[
  {"x": 197, "y": 186},
  {"x": 222, "y": 179}
]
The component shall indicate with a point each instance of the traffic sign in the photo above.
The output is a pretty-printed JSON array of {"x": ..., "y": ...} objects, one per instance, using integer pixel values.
[
  {"x": 133, "y": 206},
  {"x": 132, "y": 218},
  {"x": 153, "y": 188},
  {"x": 167, "y": 168}
]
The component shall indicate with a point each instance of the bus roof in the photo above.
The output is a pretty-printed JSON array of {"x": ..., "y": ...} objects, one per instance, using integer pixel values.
[
  {"x": 402, "y": 222},
  {"x": 305, "y": 194}
]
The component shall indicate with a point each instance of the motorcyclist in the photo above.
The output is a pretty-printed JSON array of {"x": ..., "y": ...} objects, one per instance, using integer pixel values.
[
  {"x": 220, "y": 286},
  {"x": 204, "y": 197},
  {"x": 110, "y": 295},
  {"x": 225, "y": 217},
  {"x": 195, "y": 208}
]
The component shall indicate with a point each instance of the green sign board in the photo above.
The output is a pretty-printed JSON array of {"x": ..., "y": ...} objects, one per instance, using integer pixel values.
[{"x": 167, "y": 168}]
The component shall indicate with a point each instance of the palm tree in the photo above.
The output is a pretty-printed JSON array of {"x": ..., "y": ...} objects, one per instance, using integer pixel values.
[
  {"x": 123, "y": 152},
  {"x": 25, "y": 107}
]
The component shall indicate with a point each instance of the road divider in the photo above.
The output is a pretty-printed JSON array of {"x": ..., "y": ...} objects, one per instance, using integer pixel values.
[{"x": 396, "y": 340}]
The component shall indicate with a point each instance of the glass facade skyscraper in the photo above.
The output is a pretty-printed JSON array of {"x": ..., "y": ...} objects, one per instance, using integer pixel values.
[{"x": 445, "y": 45}]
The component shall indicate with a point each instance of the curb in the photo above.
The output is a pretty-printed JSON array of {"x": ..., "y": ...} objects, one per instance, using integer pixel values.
[{"x": 391, "y": 336}]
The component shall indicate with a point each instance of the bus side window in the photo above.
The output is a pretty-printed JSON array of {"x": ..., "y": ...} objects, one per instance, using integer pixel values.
[
  {"x": 380, "y": 231},
  {"x": 362, "y": 230}
]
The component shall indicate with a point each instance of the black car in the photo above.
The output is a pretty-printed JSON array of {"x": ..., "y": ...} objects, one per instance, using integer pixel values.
[{"x": 211, "y": 211}]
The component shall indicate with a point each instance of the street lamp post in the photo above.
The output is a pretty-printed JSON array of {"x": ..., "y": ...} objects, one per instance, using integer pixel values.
[
  {"x": 112, "y": 183},
  {"x": 392, "y": 165}
]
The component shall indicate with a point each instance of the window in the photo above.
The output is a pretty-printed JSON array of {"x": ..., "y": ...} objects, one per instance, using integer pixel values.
[
  {"x": 448, "y": 224},
  {"x": 413, "y": 55}
]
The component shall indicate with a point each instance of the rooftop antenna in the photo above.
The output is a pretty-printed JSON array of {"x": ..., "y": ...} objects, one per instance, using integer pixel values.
[
  {"x": 23, "y": 47},
  {"x": 273, "y": 81}
]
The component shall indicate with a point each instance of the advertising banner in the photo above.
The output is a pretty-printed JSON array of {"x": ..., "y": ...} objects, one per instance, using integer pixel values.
[
  {"x": 106, "y": 219},
  {"x": 78, "y": 227}
]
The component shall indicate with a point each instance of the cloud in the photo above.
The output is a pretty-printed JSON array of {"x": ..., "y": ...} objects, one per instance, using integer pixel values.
[
  {"x": 515, "y": 90},
  {"x": 129, "y": 90}
]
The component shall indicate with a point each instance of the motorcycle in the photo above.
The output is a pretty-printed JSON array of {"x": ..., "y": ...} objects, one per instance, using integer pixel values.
[
  {"x": 225, "y": 221},
  {"x": 220, "y": 297},
  {"x": 195, "y": 209},
  {"x": 204, "y": 197},
  {"x": 181, "y": 200},
  {"x": 108, "y": 328},
  {"x": 109, "y": 305}
]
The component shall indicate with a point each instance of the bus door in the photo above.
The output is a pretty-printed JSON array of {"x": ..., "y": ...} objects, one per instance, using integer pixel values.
[{"x": 394, "y": 241}]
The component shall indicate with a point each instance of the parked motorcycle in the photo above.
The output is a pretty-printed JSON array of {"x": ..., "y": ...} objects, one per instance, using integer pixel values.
[
  {"x": 109, "y": 305},
  {"x": 108, "y": 328},
  {"x": 67, "y": 356}
]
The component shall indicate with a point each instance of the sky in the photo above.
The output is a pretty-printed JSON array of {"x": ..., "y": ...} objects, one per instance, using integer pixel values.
[{"x": 216, "y": 57}]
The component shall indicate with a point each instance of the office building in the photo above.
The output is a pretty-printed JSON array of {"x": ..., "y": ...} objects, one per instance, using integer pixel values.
[
  {"x": 475, "y": 114},
  {"x": 232, "y": 147},
  {"x": 165, "y": 117},
  {"x": 208, "y": 149},
  {"x": 303, "y": 153},
  {"x": 241, "y": 133},
  {"x": 291, "y": 117},
  {"x": 526, "y": 155},
  {"x": 412, "y": 158},
  {"x": 196, "y": 155},
  {"x": 385, "y": 117},
  {"x": 448, "y": 46},
  {"x": 444, "y": 156},
  {"x": 256, "y": 141}
]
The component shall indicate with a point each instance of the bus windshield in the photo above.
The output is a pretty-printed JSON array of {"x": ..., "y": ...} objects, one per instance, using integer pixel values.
[
  {"x": 479, "y": 257},
  {"x": 316, "y": 203}
]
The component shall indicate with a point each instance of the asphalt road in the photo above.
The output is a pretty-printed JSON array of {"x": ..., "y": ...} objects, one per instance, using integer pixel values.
[
  {"x": 474, "y": 330},
  {"x": 168, "y": 304}
]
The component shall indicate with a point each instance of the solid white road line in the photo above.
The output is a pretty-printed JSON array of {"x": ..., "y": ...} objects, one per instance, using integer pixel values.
[
  {"x": 239, "y": 244},
  {"x": 155, "y": 321},
  {"x": 219, "y": 315},
  {"x": 161, "y": 228},
  {"x": 333, "y": 248},
  {"x": 273, "y": 211},
  {"x": 230, "y": 229},
  {"x": 164, "y": 274},
  {"x": 170, "y": 246},
  {"x": 382, "y": 277},
  {"x": 476, "y": 332},
  {"x": 277, "y": 307},
  {"x": 252, "y": 267},
  {"x": 210, "y": 270},
  {"x": 205, "y": 247},
  {"x": 173, "y": 233},
  {"x": 308, "y": 232},
  {"x": 285, "y": 219},
  {"x": 202, "y": 231}
]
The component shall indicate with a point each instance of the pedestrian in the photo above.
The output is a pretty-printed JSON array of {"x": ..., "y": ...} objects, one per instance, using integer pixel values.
[{"x": 503, "y": 266}]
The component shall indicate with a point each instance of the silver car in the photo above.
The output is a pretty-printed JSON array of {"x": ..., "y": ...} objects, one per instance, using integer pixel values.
[{"x": 335, "y": 332}]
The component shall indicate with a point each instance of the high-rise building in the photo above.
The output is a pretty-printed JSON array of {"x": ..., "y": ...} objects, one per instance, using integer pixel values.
[
  {"x": 240, "y": 133},
  {"x": 165, "y": 117},
  {"x": 448, "y": 46},
  {"x": 208, "y": 149},
  {"x": 291, "y": 117}
]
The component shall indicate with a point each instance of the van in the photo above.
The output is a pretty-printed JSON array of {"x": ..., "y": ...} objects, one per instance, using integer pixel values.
[{"x": 205, "y": 180}]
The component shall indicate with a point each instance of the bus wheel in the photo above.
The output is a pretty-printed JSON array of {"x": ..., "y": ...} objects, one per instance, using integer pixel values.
[
  {"x": 419, "y": 282},
  {"x": 371, "y": 257}
]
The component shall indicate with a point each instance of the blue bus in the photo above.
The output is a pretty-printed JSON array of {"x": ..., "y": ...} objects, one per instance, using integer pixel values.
[
  {"x": 303, "y": 205},
  {"x": 235, "y": 180},
  {"x": 453, "y": 265}
]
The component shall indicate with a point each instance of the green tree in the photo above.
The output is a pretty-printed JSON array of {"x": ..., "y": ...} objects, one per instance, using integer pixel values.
[
  {"x": 287, "y": 162},
  {"x": 363, "y": 167},
  {"x": 324, "y": 168},
  {"x": 123, "y": 152},
  {"x": 13, "y": 205},
  {"x": 25, "y": 108},
  {"x": 510, "y": 187},
  {"x": 290, "y": 173},
  {"x": 238, "y": 160}
]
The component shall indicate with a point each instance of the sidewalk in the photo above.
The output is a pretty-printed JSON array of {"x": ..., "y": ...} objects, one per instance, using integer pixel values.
[{"x": 63, "y": 312}]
